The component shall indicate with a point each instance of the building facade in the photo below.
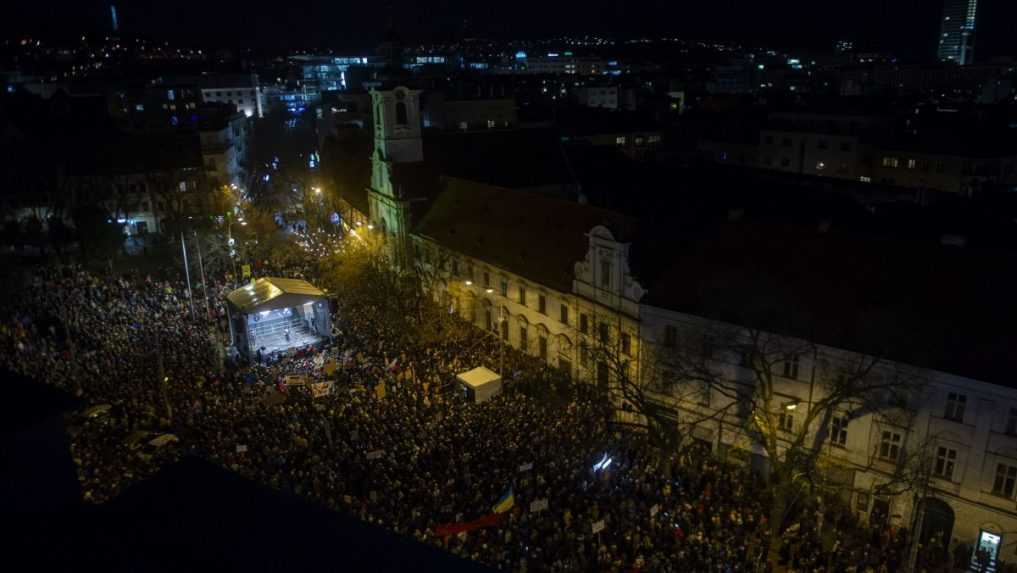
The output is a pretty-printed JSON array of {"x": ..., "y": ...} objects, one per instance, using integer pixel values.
[{"x": 552, "y": 279}]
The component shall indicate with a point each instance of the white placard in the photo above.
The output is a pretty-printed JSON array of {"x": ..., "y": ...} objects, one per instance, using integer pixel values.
[
  {"x": 241, "y": 449},
  {"x": 538, "y": 505},
  {"x": 598, "y": 526},
  {"x": 654, "y": 510},
  {"x": 526, "y": 467},
  {"x": 376, "y": 454}
]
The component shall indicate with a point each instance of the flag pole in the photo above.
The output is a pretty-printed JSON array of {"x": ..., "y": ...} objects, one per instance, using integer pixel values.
[{"x": 187, "y": 271}]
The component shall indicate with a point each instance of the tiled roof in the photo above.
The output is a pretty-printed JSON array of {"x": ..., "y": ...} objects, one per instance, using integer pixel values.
[{"x": 537, "y": 237}]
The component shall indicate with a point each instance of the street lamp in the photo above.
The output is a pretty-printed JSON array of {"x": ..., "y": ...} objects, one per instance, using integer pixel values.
[
  {"x": 790, "y": 407},
  {"x": 469, "y": 283}
]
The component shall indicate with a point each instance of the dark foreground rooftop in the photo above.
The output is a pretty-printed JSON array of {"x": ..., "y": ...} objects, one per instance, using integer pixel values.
[{"x": 192, "y": 516}]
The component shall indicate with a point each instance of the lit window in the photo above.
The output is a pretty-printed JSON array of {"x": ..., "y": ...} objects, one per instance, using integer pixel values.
[
  {"x": 620, "y": 140},
  {"x": 865, "y": 179},
  {"x": 490, "y": 124},
  {"x": 911, "y": 163}
]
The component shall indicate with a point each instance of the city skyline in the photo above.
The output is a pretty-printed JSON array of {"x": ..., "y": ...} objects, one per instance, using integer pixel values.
[{"x": 908, "y": 27}]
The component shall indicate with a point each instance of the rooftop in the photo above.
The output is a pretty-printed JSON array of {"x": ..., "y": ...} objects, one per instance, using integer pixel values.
[{"x": 532, "y": 235}]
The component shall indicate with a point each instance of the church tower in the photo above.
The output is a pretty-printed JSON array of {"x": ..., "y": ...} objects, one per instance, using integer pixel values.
[{"x": 397, "y": 142}]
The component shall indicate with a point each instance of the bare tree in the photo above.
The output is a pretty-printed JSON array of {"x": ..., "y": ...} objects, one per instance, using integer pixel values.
[{"x": 786, "y": 396}]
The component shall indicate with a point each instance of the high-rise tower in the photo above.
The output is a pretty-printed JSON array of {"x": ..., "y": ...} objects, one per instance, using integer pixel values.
[{"x": 957, "y": 34}]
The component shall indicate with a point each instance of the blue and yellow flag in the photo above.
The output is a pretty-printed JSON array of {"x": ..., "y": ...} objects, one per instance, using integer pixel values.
[{"x": 505, "y": 503}]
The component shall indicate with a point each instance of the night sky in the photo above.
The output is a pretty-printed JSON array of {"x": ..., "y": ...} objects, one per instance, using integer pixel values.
[{"x": 907, "y": 27}]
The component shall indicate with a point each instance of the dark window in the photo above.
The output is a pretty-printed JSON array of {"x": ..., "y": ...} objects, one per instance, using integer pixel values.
[
  {"x": 504, "y": 287},
  {"x": 946, "y": 459},
  {"x": 1005, "y": 477},
  {"x": 786, "y": 421},
  {"x": 542, "y": 347},
  {"x": 542, "y": 304},
  {"x": 487, "y": 279},
  {"x": 523, "y": 339},
  {"x": 670, "y": 336},
  {"x": 823, "y": 144},
  {"x": 768, "y": 139},
  {"x": 401, "y": 113},
  {"x": 889, "y": 446},
  {"x": 838, "y": 431},
  {"x": 955, "y": 404},
  {"x": 584, "y": 323},
  {"x": 605, "y": 274},
  {"x": 791, "y": 366},
  {"x": 845, "y": 146},
  {"x": 505, "y": 330},
  {"x": 862, "y": 501},
  {"x": 522, "y": 295},
  {"x": 565, "y": 366},
  {"x": 785, "y": 162},
  {"x": 603, "y": 331},
  {"x": 786, "y": 142},
  {"x": 564, "y": 316},
  {"x": 1011, "y": 423},
  {"x": 626, "y": 344}
]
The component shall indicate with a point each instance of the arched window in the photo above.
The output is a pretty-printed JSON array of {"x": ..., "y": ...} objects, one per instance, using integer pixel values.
[{"x": 401, "y": 113}]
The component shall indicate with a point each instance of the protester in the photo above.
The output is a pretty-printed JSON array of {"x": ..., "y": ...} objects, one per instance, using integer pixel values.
[{"x": 387, "y": 438}]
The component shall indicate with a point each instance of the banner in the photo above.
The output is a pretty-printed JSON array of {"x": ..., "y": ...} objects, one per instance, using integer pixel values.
[
  {"x": 245, "y": 270},
  {"x": 447, "y": 529},
  {"x": 538, "y": 505},
  {"x": 319, "y": 389},
  {"x": 295, "y": 380}
]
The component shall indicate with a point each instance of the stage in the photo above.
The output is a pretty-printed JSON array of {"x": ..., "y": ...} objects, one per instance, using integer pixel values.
[{"x": 275, "y": 315}]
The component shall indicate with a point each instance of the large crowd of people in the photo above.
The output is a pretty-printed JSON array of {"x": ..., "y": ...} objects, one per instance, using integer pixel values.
[{"x": 392, "y": 447}]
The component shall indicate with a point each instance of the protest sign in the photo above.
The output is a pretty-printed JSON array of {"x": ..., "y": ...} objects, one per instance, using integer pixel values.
[
  {"x": 376, "y": 454},
  {"x": 598, "y": 526},
  {"x": 538, "y": 505}
]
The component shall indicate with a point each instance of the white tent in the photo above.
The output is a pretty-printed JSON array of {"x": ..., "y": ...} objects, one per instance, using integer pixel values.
[{"x": 480, "y": 383}]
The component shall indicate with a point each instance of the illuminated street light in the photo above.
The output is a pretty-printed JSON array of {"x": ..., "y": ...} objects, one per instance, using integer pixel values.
[
  {"x": 790, "y": 407},
  {"x": 317, "y": 190},
  {"x": 489, "y": 291},
  {"x": 370, "y": 227},
  {"x": 469, "y": 283}
]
